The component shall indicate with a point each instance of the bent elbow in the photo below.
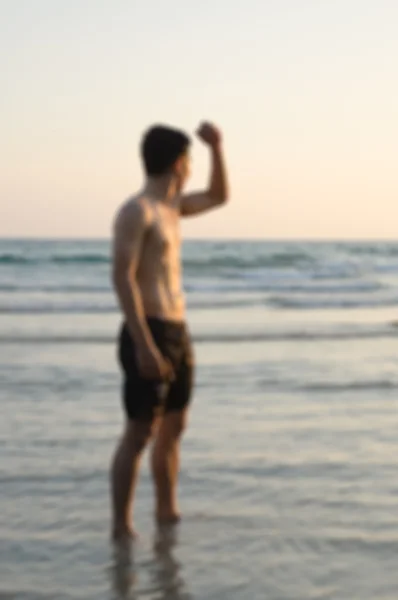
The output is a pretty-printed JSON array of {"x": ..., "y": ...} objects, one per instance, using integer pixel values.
[
  {"x": 223, "y": 198},
  {"x": 220, "y": 198}
]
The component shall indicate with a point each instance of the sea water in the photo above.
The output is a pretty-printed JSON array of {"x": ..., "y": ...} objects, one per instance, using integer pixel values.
[{"x": 289, "y": 479}]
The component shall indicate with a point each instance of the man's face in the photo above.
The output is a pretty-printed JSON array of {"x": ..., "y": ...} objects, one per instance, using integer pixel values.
[{"x": 182, "y": 169}]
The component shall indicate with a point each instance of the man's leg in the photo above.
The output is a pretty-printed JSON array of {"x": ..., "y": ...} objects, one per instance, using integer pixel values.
[
  {"x": 124, "y": 473},
  {"x": 165, "y": 465}
]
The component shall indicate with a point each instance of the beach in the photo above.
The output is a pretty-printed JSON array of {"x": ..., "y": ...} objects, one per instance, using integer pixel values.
[{"x": 289, "y": 465}]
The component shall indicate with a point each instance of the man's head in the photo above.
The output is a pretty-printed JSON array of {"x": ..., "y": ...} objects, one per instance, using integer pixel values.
[{"x": 164, "y": 151}]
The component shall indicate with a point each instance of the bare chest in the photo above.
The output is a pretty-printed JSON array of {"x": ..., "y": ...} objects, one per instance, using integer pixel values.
[{"x": 164, "y": 236}]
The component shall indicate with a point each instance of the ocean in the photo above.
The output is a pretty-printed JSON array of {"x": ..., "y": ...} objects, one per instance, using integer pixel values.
[{"x": 289, "y": 481}]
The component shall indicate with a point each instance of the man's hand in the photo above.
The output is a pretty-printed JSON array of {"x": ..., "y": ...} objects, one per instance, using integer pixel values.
[
  {"x": 209, "y": 134},
  {"x": 152, "y": 365},
  {"x": 217, "y": 192}
]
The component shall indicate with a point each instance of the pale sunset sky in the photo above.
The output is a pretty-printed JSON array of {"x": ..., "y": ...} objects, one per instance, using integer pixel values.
[{"x": 305, "y": 91}]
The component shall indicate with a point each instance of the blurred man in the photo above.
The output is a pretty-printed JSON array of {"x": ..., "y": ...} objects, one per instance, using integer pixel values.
[{"x": 154, "y": 344}]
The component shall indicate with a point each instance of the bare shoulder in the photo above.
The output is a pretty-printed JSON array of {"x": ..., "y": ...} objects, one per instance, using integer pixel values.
[
  {"x": 132, "y": 216},
  {"x": 129, "y": 228}
]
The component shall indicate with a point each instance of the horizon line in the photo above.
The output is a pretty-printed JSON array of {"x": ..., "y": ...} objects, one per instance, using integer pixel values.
[{"x": 271, "y": 239}]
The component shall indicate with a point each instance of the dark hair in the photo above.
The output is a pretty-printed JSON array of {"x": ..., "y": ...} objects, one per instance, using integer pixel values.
[{"x": 161, "y": 146}]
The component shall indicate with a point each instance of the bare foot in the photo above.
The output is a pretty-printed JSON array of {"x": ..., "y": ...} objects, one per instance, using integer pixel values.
[{"x": 123, "y": 535}]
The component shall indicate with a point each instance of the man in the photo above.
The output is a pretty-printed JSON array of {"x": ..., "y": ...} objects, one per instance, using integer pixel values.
[{"x": 154, "y": 345}]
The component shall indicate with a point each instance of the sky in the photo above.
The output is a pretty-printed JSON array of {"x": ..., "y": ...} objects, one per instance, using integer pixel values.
[{"x": 305, "y": 92}]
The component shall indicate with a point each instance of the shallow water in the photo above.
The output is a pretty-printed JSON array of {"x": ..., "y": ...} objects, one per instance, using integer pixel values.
[{"x": 289, "y": 475}]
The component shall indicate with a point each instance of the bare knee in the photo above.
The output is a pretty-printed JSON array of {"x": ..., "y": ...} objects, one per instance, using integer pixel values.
[
  {"x": 180, "y": 424},
  {"x": 174, "y": 425},
  {"x": 137, "y": 435}
]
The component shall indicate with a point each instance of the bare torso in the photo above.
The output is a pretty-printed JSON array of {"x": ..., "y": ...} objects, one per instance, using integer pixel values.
[{"x": 159, "y": 272}]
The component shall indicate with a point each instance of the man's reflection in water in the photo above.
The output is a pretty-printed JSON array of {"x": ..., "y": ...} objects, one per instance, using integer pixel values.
[
  {"x": 167, "y": 574},
  {"x": 122, "y": 572},
  {"x": 164, "y": 571}
]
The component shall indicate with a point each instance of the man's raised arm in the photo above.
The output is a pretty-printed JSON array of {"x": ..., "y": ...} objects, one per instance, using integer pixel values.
[{"x": 217, "y": 192}]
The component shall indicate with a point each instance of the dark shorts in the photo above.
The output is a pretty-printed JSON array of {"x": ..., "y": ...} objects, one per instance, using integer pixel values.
[{"x": 145, "y": 398}]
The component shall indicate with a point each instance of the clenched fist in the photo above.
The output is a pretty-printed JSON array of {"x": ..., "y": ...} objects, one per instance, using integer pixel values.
[
  {"x": 153, "y": 365},
  {"x": 209, "y": 134}
]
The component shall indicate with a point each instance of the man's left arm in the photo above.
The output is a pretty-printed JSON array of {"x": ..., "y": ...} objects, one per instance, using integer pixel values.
[{"x": 217, "y": 192}]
